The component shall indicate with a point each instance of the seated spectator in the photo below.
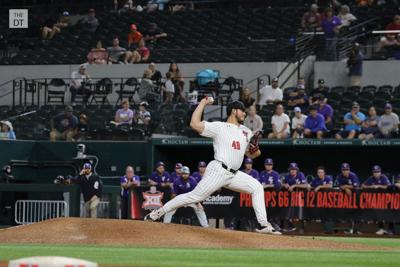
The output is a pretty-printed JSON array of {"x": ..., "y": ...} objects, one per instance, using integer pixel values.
[
  {"x": 270, "y": 94},
  {"x": 298, "y": 121},
  {"x": 326, "y": 111},
  {"x": 82, "y": 129},
  {"x": 124, "y": 115},
  {"x": 98, "y": 55},
  {"x": 141, "y": 54},
  {"x": 155, "y": 74},
  {"x": 253, "y": 121},
  {"x": 299, "y": 98},
  {"x": 143, "y": 116},
  {"x": 390, "y": 45},
  {"x": 352, "y": 121},
  {"x": 322, "y": 181},
  {"x": 311, "y": 20},
  {"x": 128, "y": 182},
  {"x": 146, "y": 85},
  {"x": 178, "y": 81},
  {"x": 363, "y": 3},
  {"x": 330, "y": 24},
  {"x": 345, "y": 16},
  {"x": 347, "y": 180},
  {"x": 369, "y": 128},
  {"x": 134, "y": 36},
  {"x": 301, "y": 81},
  {"x": 152, "y": 34},
  {"x": 116, "y": 53},
  {"x": 79, "y": 83},
  {"x": 169, "y": 89},
  {"x": 63, "y": 126},
  {"x": 320, "y": 90},
  {"x": 48, "y": 30},
  {"x": 314, "y": 125},
  {"x": 394, "y": 26},
  {"x": 388, "y": 123},
  {"x": 7, "y": 131},
  {"x": 269, "y": 178},
  {"x": 280, "y": 124},
  {"x": 246, "y": 99},
  {"x": 161, "y": 178},
  {"x": 248, "y": 169},
  {"x": 89, "y": 23}
]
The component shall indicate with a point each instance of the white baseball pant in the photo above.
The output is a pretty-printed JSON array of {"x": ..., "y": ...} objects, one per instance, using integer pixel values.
[
  {"x": 216, "y": 177},
  {"x": 198, "y": 209}
]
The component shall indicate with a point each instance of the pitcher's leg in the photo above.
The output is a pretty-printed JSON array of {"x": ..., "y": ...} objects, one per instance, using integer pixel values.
[
  {"x": 168, "y": 216},
  {"x": 200, "y": 213}
]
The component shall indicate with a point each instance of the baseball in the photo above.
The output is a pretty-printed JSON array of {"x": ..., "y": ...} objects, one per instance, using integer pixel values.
[{"x": 210, "y": 99}]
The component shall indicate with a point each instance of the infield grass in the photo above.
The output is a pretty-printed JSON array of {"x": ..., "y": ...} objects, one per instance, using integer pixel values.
[{"x": 135, "y": 256}]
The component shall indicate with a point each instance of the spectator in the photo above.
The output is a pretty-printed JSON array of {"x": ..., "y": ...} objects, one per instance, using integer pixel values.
[
  {"x": 48, "y": 31},
  {"x": 89, "y": 23},
  {"x": 152, "y": 34},
  {"x": 128, "y": 182},
  {"x": 314, "y": 125},
  {"x": 347, "y": 180},
  {"x": 322, "y": 181},
  {"x": 352, "y": 121},
  {"x": 146, "y": 85},
  {"x": 299, "y": 98},
  {"x": 169, "y": 89},
  {"x": 7, "y": 131},
  {"x": 246, "y": 99},
  {"x": 82, "y": 129},
  {"x": 124, "y": 115},
  {"x": 326, "y": 111},
  {"x": 388, "y": 123},
  {"x": 248, "y": 169},
  {"x": 269, "y": 178},
  {"x": 301, "y": 81},
  {"x": 354, "y": 63},
  {"x": 134, "y": 36},
  {"x": 177, "y": 79},
  {"x": 370, "y": 128},
  {"x": 201, "y": 167},
  {"x": 63, "y": 126},
  {"x": 330, "y": 25},
  {"x": 253, "y": 121},
  {"x": 390, "y": 45},
  {"x": 298, "y": 123},
  {"x": 280, "y": 124},
  {"x": 116, "y": 53},
  {"x": 143, "y": 116},
  {"x": 98, "y": 55},
  {"x": 79, "y": 81},
  {"x": 6, "y": 177},
  {"x": 178, "y": 171},
  {"x": 394, "y": 26},
  {"x": 320, "y": 90},
  {"x": 141, "y": 54},
  {"x": 91, "y": 188},
  {"x": 345, "y": 16},
  {"x": 270, "y": 94},
  {"x": 311, "y": 20},
  {"x": 155, "y": 74},
  {"x": 161, "y": 178},
  {"x": 364, "y": 3}
]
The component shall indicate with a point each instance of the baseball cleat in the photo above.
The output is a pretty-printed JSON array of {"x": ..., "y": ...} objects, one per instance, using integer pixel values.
[
  {"x": 268, "y": 229},
  {"x": 155, "y": 215}
]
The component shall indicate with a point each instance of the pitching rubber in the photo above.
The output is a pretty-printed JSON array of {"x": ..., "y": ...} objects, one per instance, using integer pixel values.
[{"x": 51, "y": 262}]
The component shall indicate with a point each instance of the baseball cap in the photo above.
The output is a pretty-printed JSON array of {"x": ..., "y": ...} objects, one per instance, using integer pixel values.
[
  {"x": 297, "y": 109},
  {"x": 133, "y": 27},
  {"x": 293, "y": 166},
  {"x": 178, "y": 165},
  {"x": 65, "y": 13},
  {"x": 345, "y": 166},
  {"x": 355, "y": 105},
  {"x": 234, "y": 105},
  {"x": 159, "y": 163},
  {"x": 248, "y": 161},
  {"x": 91, "y": 10},
  {"x": 8, "y": 123},
  {"x": 186, "y": 170},
  {"x": 87, "y": 166},
  {"x": 376, "y": 168},
  {"x": 69, "y": 109},
  {"x": 268, "y": 162},
  {"x": 275, "y": 79},
  {"x": 388, "y": 106},
  {"x": 321, "y": 81},
  {"x": 202, "y": 164},
  {"x": 300, "y": 87},
  {"x": 83, "y": 66}
]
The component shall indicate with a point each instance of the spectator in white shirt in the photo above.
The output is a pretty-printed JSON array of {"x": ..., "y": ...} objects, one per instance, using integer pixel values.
[
  {"x": 169, "y": 89},
  {"x": 345, "y": 16},
  {"x": 280, "y": 124},
  {"x": 270, "y": 94},
  {"x": 253, "y": 121},
  {"x": 298, "y": 123},
  {"x": 79, "y": 79}
]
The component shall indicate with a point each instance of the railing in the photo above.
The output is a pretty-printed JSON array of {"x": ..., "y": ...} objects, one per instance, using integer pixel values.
[{"x": 32, "y": 211}]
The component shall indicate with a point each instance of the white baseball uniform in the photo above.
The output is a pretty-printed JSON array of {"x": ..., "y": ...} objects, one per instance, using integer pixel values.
[
  {"x": 230, "y": 144},
  {"x": 201, "y": 215}
]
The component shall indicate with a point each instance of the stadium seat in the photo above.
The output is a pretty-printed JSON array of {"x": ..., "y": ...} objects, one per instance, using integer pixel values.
[{"x": 56, "y": 90}]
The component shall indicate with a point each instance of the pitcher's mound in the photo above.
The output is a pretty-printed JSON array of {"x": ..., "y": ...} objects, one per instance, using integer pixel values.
[{"x": 151, "y": 234}]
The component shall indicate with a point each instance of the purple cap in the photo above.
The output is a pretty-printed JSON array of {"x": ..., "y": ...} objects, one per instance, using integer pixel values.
[
  {"x": 388, "y": 106},
  {"x": 345, "y": 166},
  {"x": 268, "y": 162},
  {"x": 202, "y": 164},
  {"x": 376, "y": 168},
  {"x": 178, "y": 165},
  {"x": 293, "y": 166},
  {"x": 248, "y": 161},
  {"x": 160, "y": 163},
  {"x": 87, "y": 166}
]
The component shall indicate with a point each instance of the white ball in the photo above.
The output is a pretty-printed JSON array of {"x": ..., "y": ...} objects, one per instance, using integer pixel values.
[{"x": 210, "y": 99}]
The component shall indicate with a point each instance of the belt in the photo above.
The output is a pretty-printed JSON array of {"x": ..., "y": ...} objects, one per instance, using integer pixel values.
[{"x": 229, "y": 170}]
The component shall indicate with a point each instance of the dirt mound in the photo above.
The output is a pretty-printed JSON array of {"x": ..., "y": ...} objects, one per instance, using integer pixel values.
[{"x": 150, "y": 234}]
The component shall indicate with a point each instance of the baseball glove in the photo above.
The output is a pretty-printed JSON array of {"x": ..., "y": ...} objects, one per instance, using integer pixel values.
[{"x": 254, "y": 142}]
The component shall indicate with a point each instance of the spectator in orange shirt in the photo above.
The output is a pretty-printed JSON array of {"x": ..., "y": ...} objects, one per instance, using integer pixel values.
[
  {"x": 134, "y": 37},
  {"x": 98, "y": 55}
]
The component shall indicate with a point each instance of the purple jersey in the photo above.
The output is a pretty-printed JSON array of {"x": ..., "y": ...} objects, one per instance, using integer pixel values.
[
  {"x": 318, "y": 182},
  {"x": 182, "y": 186},
  {"x": 382, "y": 180},
  {"x": 161, "y": 178},
  {"x": 197, "y": 176},
  {"x": 253, "y": 173},
  {"x": 175, "y": 176},
  {"x": 352, "y": 179},
  {"x": 298, "y": 179},
  {"x": 270, "y": 178},
  {"x": 123, "y": 180}
]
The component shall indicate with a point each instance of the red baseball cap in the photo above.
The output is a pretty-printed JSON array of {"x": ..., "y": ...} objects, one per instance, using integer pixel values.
[{"x": 133, "y": 27}]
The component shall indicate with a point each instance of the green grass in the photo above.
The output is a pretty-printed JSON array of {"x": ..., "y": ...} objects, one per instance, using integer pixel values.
[{"x": 159, "y": 257}]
